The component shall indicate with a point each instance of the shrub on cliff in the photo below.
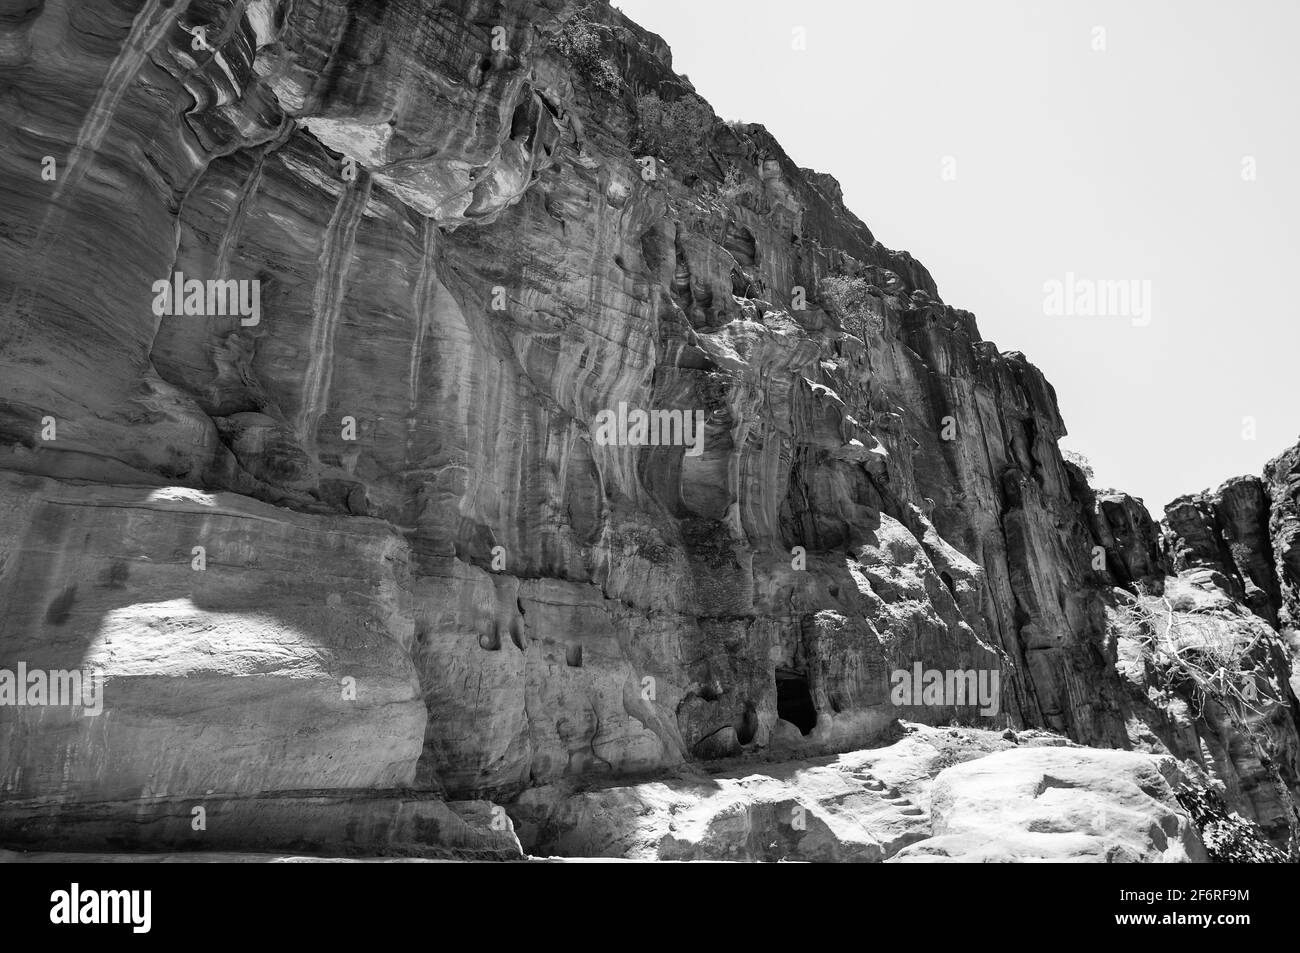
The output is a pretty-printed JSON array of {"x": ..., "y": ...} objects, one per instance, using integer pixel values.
[
  {"x": 733, "y": 185},
  {"x": 1228, "y": 838},
  {"x": 1080, "y": 461},
  {"x": 850, "y": 298},
  {"x": 676, "y": 132},
  {"x": 579, "y": 41}
]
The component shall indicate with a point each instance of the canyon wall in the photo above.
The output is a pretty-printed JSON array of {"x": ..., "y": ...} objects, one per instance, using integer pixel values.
[{"x": 377, "y": 535}]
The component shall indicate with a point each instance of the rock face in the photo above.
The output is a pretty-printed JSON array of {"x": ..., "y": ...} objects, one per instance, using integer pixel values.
[
  {"x": 1282, "y": 474},
  {"x": 1209, "y": 682},
  {"x": 1228, "y": 531},
  {"x": 390, "y": 518}
]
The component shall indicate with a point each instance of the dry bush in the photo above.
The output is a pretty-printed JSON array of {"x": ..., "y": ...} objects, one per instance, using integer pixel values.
[
  {"x": 578, "y": 40},
  {"x": 850, "y": 298}
]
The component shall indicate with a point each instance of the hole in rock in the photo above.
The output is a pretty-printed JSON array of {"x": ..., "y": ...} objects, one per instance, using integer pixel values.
[
  {"x": 550, "y": 107},
  {"x": 834, "y": 590},
  {"x": 618, "y": 260},
  {"x": 521, "y": 123},
  {"x": 794, "y": 701},
  {"x": 519, "y": 604},
  {"x": 748, "y": 726},
  {"x": 519, "y": 126},
  {"x": 485, "y": 64},
  {"x": 652, "y": 251},
  {"x": 947, "y": 581},
  {"x": 573, "y": 656},
  {"x": 490, "y": 641}
]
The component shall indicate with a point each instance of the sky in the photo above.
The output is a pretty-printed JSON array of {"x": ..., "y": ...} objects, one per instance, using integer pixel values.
[{"x": 1009, "y": 144}]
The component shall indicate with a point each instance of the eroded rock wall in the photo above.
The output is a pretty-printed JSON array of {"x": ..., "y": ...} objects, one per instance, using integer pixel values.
[{"x": 462, "y": 265}]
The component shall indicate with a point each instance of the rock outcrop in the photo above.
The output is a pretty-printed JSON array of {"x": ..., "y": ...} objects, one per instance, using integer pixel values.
[
  {"x": 518, "y": 457},
  {"x": 935, "y": 795},
  {"x": 1057, "y": 804},
  {"x": 1282, "y": 474},
  {"x": 1228, "y": 532}
]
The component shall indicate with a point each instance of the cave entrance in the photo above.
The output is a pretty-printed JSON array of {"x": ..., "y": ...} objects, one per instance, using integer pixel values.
[
  {"x": 748, "y": 726},
  {"x": 794, "y": 701}
]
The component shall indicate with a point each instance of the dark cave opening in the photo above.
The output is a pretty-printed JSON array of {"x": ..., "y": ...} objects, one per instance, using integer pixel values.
[
  {"x": 794, "y": 701},
  {"x": 521, "y": 126},
  {"x": 748, "y": 726},
  {"x": 947, "y": 581}
]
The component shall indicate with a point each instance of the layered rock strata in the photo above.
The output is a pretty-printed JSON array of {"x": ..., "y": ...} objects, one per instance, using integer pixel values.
[{"x": 371, "y": 530}]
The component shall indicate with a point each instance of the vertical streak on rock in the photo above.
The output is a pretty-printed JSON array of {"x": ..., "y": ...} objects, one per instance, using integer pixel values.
[
  {"x": 327, "y": 302},
  {"x": 144, "y": 36},
  {"x": 326, "y": 80},
  {"x": 421, "y": 301},
  {"x": 244, "y": 201}
]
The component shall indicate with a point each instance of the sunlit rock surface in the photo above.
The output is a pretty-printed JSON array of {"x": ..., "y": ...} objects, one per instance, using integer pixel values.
[
  {"x": 395, "y": 469},
  {"x": 937, "y": 794},
  {"x": 1059, "y": 804}
]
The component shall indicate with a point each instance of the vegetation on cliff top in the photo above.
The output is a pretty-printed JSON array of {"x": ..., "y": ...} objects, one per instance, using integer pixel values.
[
  {"x": 579, "y": 41},
  {"x": 676, "y": 132}
]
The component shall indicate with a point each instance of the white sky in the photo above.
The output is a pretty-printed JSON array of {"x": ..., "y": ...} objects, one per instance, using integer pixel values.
[{"x": 1124, "y": 164}]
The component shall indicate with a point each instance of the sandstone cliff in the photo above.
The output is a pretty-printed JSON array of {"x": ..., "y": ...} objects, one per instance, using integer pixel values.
[{"x": 369, "y": 547}]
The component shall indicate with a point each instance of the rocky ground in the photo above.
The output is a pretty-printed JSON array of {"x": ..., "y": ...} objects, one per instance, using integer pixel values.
[
  {"x": 364, "y": 574},
  {"x": 937, "y": 794}
]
